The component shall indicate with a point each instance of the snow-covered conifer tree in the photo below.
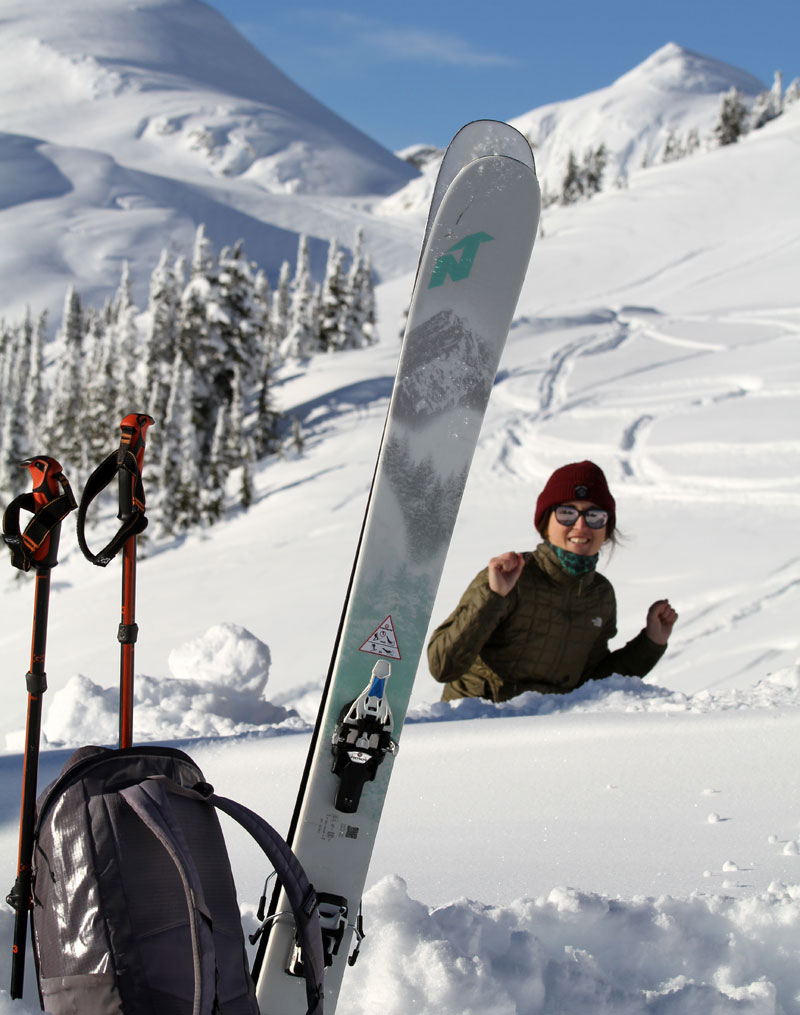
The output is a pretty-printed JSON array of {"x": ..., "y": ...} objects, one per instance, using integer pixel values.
[
  {"x": 246, "y": 483},
  {"x": 34, "y": 395},
  {"x": 692, "y": 141},
  {"x": 163, "y": 324},
  {"x": 361, "y": 296},
  {"x": 594, "y": 164},
  {"x": 298, "y": 343},
  {"x": 673, "y": 149},
  {"x": 235, "y": 439},
  {"x": 572, "y": 184},
  {"x": 199, "y": 341},
  {"x": 281, "y": 304},
  {"x": 13, "y": 436},
  {"x": 63, "y": 426},
  {"x": 333, "y": 302},
  {"x": 100, "y": 385},
  {"x": 768, "y": 105},
  {"x": 732, "y": 121},
  {"x": 125, "y": 349},
  {"x": 213, "y": 493},
  {"x": 178, "y": 505}
]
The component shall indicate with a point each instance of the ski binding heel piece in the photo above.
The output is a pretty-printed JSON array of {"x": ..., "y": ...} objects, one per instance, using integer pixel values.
[
  {"x": 362, "y": 738},
  {"x": 333, "y": 916}
]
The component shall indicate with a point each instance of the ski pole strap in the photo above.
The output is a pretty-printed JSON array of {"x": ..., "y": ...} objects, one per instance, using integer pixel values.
[
  {"x": 24, "y": 545},
  {"x": 123, "y": 458}
]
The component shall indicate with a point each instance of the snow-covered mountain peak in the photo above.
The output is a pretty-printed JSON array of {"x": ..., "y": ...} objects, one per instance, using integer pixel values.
[
  {"x": 673, "y": 91},
  {"x": 673, "y": 68},
  {"x": 124, "y": 125},
  {"x": 150, "y": 41},
  {"x": 190, "y": 96}
]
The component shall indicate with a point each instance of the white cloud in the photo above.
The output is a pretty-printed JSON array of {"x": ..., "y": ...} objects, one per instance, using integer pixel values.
[{"x": 411, "y": 44}]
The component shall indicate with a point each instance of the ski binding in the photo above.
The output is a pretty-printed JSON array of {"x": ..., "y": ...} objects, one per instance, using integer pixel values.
[
  {"x": 362, "y": 739},
  {"x": 333, "y": 915}
]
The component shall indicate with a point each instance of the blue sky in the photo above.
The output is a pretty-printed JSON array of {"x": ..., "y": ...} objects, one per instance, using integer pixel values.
[{"x": 416, "y": 71}]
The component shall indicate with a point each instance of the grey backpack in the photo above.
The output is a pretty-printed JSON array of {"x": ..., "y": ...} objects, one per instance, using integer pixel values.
[{"x": 134, "y": 905}]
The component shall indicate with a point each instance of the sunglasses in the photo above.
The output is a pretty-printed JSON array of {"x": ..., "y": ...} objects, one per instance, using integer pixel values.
[{"x": 595, "y": 518}]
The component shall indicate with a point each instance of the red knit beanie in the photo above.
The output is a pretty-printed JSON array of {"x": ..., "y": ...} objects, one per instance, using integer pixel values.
[{"x": 578, "y": 481}]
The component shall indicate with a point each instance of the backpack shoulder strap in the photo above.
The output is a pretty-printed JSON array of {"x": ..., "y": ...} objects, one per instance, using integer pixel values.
[
  {"x": 149, "y": 802},
  {"x": 299, "y": 892}
]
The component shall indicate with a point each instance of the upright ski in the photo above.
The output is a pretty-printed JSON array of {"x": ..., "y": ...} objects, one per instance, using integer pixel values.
[{"x": 474, "y": 259}]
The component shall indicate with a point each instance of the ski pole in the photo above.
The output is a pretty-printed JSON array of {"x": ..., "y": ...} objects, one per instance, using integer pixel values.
[
  {"x": 126, "y": 463},
  {"x": 134, "y": 428},
  {"x": 36, "y": 547}
]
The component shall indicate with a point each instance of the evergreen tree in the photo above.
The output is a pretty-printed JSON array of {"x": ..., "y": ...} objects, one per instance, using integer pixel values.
[
  {"x": 238, "y": 317},
  {"x": 125, "y": 349},
  {"x": 161, "y": 342},
  {"x": 584, "y": 180},
  {"x": 331, "y": 314},
  {"x": 298, "y": 441},
  {"x": 572, "y": 184},
  {"x": 63, "y": 427},
  {"x": 100, "y": 390},
  {"x": 732, "y": 121},
  {"x": 768, "y": 105},
  {"x": 261, "y": 318},
  {"x": 281, "y": 305},
  {"x": 234, "y": 447},
  {"x": 178, "y": 505},
  {"x": 692, "y": 141},
  {"x": 673, "y": 149},
  {"x": 298, "y": 343},
  {"x": 594, "y": 164},
  {"x": 163, "y": 326},
  {"x": 246, "y": 484},
  {"x": 199, "y": 342},
  {"x": 361, "y": 296},
  {"x": 792, "y": 93},
  {"x": 34, "y": 395},
  {"x": 12, "y": 425},
  {"x": 213, "y": 492}
]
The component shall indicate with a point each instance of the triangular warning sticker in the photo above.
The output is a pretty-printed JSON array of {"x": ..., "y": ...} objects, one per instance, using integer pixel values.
[{"x": 383, "y": 642}]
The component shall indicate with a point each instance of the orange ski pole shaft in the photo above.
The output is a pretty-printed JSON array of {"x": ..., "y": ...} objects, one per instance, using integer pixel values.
[{"x": 134, "y": 429}]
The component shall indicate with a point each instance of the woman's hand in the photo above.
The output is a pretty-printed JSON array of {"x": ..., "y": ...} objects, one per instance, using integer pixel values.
[
  {"x": 660, "y": 621},
  {"x": 504, "y": 572}
]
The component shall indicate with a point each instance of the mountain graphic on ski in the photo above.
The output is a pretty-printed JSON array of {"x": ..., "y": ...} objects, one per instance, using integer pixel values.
[{"x": 474, "y": 259}]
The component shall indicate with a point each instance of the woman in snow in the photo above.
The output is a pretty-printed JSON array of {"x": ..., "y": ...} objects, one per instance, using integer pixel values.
[{"x": 542, "y": 621}]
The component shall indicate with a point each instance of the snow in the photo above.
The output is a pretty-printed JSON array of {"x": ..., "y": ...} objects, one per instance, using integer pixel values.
[
  {"x": 124, "y": 126},
  {"x": 630, "y": 848},
  {"x": 680, "y": 91}
]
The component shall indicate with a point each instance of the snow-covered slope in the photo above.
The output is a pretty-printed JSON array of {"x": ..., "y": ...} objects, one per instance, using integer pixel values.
[{"x": 123, "y": 126}]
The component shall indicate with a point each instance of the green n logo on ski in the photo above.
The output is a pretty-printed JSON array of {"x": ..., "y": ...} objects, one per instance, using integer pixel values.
[{"x": 457, "y": 269}]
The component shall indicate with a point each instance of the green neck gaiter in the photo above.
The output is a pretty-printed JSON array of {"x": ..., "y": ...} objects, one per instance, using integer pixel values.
[{"x": 575, "y": 563}]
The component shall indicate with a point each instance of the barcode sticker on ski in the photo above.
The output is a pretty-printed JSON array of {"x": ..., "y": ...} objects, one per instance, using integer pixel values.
[{"x": 383, "y": 642}]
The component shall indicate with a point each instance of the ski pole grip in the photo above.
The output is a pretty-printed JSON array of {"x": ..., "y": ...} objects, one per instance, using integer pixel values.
[
  {"x": 50, "y": 502},
  {"x": 125, "y": 463},
  {"x": 131, "y": 494}
]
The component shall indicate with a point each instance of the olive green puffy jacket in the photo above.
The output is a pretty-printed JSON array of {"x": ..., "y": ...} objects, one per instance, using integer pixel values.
[{"x": 549, "y": 634}]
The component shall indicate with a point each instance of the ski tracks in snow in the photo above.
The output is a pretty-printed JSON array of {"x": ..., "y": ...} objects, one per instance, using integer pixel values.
[{"x": 661, "y": 415}]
